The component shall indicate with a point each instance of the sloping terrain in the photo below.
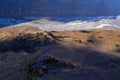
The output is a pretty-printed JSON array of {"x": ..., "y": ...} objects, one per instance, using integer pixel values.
[{"x": 97, "y": 51}]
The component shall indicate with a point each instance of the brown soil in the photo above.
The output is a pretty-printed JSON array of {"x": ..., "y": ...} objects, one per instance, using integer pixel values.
[{"x": 96, "y": 50}]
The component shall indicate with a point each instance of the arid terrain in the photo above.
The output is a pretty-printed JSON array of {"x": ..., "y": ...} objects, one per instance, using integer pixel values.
[{"x": 97, "y": 52}]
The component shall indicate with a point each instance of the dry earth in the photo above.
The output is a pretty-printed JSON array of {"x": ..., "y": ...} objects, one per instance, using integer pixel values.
[{"x": 98, "y": 51}]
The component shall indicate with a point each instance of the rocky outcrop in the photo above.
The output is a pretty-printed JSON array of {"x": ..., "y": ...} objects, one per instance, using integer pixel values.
[{"x": 26, "y": 42}]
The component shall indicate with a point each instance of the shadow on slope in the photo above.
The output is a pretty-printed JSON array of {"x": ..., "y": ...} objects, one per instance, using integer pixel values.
[
  {"x": 118, "y": 48},
  {"x": 25, "y": 42},
  {"x": 95, "y": 65}
]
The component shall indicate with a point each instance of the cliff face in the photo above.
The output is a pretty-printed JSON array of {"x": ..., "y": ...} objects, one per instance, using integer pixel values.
[{"x": 59, "y": 7}]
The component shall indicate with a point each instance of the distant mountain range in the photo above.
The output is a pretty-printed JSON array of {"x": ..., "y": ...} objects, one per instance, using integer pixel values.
[{"x": 23, "y": 8}]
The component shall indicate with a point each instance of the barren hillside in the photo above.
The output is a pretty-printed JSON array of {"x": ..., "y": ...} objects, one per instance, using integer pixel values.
[{"x": 97, "y": 52}]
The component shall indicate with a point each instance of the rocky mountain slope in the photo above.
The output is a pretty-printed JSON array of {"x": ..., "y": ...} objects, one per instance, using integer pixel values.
[{"x": 97, "y": 51}]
